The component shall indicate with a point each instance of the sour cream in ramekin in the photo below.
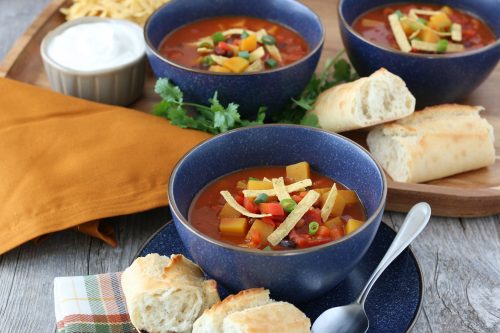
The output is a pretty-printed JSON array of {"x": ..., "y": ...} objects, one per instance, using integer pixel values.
[{"x": 96, "y": 46}]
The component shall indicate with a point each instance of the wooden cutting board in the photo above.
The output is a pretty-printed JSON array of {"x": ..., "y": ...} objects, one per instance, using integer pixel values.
[{"x": 475, "y": 193}]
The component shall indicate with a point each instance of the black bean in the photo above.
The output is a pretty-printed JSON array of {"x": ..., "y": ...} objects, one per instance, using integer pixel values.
[{"x": 288, "y": 243}]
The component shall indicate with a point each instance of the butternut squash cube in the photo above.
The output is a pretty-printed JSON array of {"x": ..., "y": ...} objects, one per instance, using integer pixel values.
[
  {"x": 298, "y": 171},
  {"x": 263, "y": 228},
  {"x": 447, "y": 10},
  {"x": 228, "y": 211},
  {"x": 233, "y": 226},
  {"x": 248, "y": 44},
  {"x": 407, "y": 27},
  {"x": 349, "y": 196},
  {"x": 335, "y": 222},
  {"x": 428, "y": 36},
  {"x": 352, "y": 225},
  {"x": 440, "y": 20},
  {"x": 218, "y": 69},
  {"x": 259, "y": 185},
  {"x": 236, "y": 64},
  {"x": 338, "y": 206}
]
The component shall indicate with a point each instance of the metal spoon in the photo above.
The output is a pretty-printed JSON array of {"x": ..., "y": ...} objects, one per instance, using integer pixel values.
[{"x": 352, "y": 318}]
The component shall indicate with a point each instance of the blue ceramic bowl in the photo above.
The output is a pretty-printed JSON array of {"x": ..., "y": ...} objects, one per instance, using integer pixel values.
[
  {"x": 293, "y": 275},
  {"x": 433, "y": 79},
  {"x": 272, "y": 88}
]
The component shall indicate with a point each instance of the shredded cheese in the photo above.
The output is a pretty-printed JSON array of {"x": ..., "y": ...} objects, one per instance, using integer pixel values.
[
  {"x": 233, "y": 203},
  {"x": 399, "y": 33},
  {"x": 289, "y": 188},
  {"x": 279, "y": 187},
  {"x": 330, "y": 201},
  {"x": 293, "y": 218}
]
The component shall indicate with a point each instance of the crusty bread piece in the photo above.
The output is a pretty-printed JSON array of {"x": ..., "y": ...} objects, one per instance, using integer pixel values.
[
  {"x": 211, "y": 320},
  {"x": 166, "y": 295},
  {"x": 436, "y": 142},
  {"x": 269, "y": 318},
  {"x": 368, "y": 101}
]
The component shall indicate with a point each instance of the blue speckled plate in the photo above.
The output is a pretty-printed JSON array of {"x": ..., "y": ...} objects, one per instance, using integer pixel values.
[{"x": 392, "y": 306}]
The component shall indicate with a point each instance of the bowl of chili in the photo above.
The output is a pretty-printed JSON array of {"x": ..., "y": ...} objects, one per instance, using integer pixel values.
[
  {"x": 253, "y": 53},
  {"x": 319, "y": 258},
  {"x": 443, "y": 50}
]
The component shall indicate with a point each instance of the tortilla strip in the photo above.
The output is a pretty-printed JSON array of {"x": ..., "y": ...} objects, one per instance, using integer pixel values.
[
  {"x": 293, "y": 218},
  {"x": 432, "y": 47},
  {"x": 330, "y": 201},
  {"x": 456, "y": 32},
  {"x": 237, "y": 31},
  {"x": 274, "y": 52},
  {"x": 233, "y": 203},
  {"x": 399, "y": 33},
  {"x": 423, "y": 12},
  {"x": 289, "y": 188},
  {"x": 279, "y": 187}
]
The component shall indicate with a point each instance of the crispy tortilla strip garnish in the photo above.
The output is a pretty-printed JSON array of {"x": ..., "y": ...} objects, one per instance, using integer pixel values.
[
  {"x": 259, "y": 34},
  {"x": 414, "y": 34},
  {"x": 279, "y": 187},
  {"x": 255, "y": 66},
  {"x": 289, "y": 188},
  {"x": 456, "y": 32},
  {"x": 419, "y": 25},
  {"x": 415, "y": 12},
  {"x": 266, "y": 179},
  {"x": 275, "y": 52},
  {"x": 237, "y": 31},
  {"x": 293, "y": 218},
  {"x": 432, "y": 47},
  {"x": 399, "y": 33},
  {"x": 219, "y": 60},
  {"x": 233, "y": 203},
  {"x": 257, "y": 54},
  {"x": 329, "y": 202}
]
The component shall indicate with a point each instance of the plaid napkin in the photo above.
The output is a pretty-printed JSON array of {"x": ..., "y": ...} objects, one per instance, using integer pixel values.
[{"x": 91, "y": 304}]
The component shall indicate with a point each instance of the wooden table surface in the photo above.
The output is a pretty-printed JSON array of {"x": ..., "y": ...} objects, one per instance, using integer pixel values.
[{"x": 460, "y": 258}]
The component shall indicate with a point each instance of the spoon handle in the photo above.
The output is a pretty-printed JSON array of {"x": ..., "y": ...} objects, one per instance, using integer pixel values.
[{"x": 414, "y": 223}]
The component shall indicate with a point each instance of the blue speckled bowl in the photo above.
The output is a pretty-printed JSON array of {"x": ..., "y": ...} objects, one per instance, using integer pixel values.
[
  {"x": 294, "y": 275},
  {"x": 433, "y": 79},
  {"x": 272, "y": 88}
]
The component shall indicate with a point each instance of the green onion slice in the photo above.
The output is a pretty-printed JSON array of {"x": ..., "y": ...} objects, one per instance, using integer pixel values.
[
  {"x": 267, "y": 248},
  {"x": 244, "y": 34},
  {"x": 253, "y": 178},
  {"x": 313, "y": 228},
  {"x": 218, "y": 37},
  {"x": 271, "y": 63},
  {"x": 442, "y": 45},
  {"x": 261, "y": 198},
  {"x": 268, "y": 40},
  {"x": 288, "y": 205},
  {"x": 244, "y": 54},
  {"x": 399, "y": 13}
]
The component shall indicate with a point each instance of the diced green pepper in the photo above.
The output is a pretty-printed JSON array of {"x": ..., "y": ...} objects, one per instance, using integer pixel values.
[
  {"x": 271, "y": 63},
  {"x": 218, "y": 37},
  {"x": 244, "y": 54},
  {"x": 268, "y": 40},
  {"x": 267, "y": 248},
  {"x": 207, "y": 61},
  {"x": 442, "y": 45},
  {"x": 261, "y": 198},
  {"x": 244, "y": 34},
  {"x": 288, "y": 205}
]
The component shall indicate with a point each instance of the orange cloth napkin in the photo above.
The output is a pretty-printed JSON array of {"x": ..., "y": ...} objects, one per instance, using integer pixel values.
[{"x": 65, "y": 161}]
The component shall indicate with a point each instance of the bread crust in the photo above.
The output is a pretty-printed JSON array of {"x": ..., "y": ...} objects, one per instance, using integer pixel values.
[
  {"x": 436, "y": 142},
  {"x": 368, "y": 101}
]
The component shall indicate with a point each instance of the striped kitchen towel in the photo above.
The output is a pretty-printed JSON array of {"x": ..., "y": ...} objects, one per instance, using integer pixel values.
[{"x": 91, "y": 304}]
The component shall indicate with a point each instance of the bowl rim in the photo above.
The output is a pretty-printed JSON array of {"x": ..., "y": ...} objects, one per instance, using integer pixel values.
[
  {"x": 152, "y": 49},
  {"x": 82, "y": 20},
  {"x": 342, "y": 20},
  {"x": 192, "y": 229}
]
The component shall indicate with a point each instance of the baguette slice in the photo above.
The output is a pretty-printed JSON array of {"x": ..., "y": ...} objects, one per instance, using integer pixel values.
[
  {"x": 212, "y": 319},
  {"x": 368, "y": 101},
  {"x": 436, "y": 142},
  {"x": 269, "y": 318},
  {"x": 166, "y": 294}
]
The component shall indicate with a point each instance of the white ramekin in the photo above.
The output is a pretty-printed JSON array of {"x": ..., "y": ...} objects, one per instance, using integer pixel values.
[{"x": 120, "y": 85}]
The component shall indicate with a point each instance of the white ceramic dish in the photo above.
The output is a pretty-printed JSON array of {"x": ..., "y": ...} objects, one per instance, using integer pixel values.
[{"x": 119, "y": 85}]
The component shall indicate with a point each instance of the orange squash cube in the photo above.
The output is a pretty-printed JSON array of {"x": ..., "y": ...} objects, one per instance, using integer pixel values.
[
  {"x": 259, "y": 185},
  {"x": 218, "y": 69},
  {"x": 428, "y": 36},
  {"x": 228, "y": 211},
  {"x": 338, "y": 206},
  {"x": 352, "y": 225},
  {"x": 233, "y": 226},
  {"x": 335, "y": 222},
  {"x": 298, "y": 171},
  {"x": 349, "y": 196},
  {"x": 236, "y": 64},
  {"x": 248, "y": 44},
  {"x": 440, "y": 20},
  {"x": 264, "y": 229}
]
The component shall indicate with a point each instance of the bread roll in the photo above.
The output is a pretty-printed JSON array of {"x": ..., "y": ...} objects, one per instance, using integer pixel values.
[
  {"x": 166, "y": 294},
  {"x": 368, "y": 101},
  {"x": 211, "y": 320},
  {"x": 269, "y": 318},
  {"x": 436, "y": 142}
]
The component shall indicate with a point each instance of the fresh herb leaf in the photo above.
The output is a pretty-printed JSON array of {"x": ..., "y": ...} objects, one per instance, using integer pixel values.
[{"x": 216, "y": 118}]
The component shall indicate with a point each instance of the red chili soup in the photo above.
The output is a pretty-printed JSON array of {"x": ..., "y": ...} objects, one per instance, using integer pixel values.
[
  {"x": 234, "y": 45},
  {"x": 306, "y": 214},
  {"x": 424, "y": 28}
]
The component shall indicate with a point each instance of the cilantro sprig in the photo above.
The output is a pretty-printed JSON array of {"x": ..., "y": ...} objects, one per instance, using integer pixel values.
[{"x": 216, "y": 118}]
